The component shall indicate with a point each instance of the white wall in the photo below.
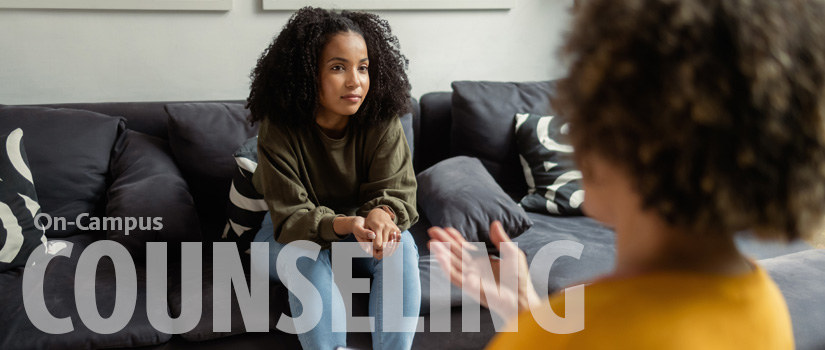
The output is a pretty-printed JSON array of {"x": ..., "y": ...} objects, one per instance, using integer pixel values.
[{"x": 52, "y": 56}]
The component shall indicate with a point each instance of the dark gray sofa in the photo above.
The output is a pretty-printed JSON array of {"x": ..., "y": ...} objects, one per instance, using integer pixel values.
[{"x": 437, "y": 135}]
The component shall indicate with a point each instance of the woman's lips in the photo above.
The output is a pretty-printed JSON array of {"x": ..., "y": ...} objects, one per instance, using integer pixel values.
[{"x": 352, "y": 98}]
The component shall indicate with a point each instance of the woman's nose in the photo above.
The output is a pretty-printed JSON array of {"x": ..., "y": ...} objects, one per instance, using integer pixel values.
[{"x": 353, "y": 80}]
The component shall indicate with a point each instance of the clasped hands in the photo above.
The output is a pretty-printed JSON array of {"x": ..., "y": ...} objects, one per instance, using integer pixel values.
[{"x": 377, "y": 228}]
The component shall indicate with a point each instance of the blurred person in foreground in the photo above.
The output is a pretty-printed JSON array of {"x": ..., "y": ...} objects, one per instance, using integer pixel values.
[{"x": 691, "y": 120}]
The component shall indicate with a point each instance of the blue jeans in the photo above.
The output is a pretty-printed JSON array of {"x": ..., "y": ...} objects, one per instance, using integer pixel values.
[{"x": 332, "y": 309}]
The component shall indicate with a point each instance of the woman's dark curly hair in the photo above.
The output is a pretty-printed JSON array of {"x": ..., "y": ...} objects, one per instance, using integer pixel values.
[
  {"x": 713, "y": 108},
  {"x": 285, "y": 80}
]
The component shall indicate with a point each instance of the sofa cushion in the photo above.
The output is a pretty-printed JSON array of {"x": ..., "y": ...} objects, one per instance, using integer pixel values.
[
  {"x": 597, "y": 256},
  {"x": 204, "y": 328},
  {"x": 203, "y": 137},
  {"x": 482, "y": 125},
  {"x": 246, "y": 207},
  {"x": 553, "y": 183},
  {"x": 756, "y": 248},
  {"x": 19, "y": 234},
  {"x": 458, "y": 192},
  {"x": 59, "y": 295},
  {"x": 800, "y": 276},
  {"x": 149, "y": 191},
  {"x": 69, "y": 152}
]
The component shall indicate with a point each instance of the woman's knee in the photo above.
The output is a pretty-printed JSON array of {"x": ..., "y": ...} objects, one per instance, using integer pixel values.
[
  {"x": 409, "y": 247},
  {"x": 313, "y": 264},
  {"x": 407, "y": 251}
]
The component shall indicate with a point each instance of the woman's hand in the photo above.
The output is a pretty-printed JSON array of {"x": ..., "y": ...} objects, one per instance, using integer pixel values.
[
  {"x": 345, "y": 225},
  {"x": 468, "y": 275},
  {"x": 387, "y": 234},
  {"x": 362, "y": 234}
]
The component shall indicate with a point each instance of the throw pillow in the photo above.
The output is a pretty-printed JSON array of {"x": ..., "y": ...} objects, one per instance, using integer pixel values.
[
  {"x": 19, "y": 232},
  {"x": 246, "y": 207},
  {"x": 69, "y": 152},
  {"x": 459, "y": 192},
  {"x": 482, "y": 125},
  {"x": 203, "y": 136},
  {"x": 149, "y": 190},
  {"x": 554, "y": 184}
]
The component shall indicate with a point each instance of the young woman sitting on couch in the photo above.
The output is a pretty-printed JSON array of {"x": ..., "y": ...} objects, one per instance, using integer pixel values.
[
  {"x": 691, "y": 120},
  {"x": 334, "y": 164}
]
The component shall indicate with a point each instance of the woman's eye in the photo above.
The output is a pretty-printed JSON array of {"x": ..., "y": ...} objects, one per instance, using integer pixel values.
[
  {"x": 337, "y": 68},
  {"x": 364, "y": 68}
]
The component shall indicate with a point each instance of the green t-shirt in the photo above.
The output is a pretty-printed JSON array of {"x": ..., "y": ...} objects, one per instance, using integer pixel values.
[{"x": 308, "y": 178}]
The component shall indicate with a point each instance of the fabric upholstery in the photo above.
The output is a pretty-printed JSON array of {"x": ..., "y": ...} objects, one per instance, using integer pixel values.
[
  {"x": 246, "y": 208},
  {"x": 19, "y": 234},
  {"x": 69, "y": 152},
  {"x": 434, "y": 127},
  {"x": 597, "y": 257},
  {"x": 459, "y": 193},
  {"x": 407, "y": 125},
  {"x": 149, "y": 188},
  {"x": 203, "y": 330},
  {"x": 482, "y": 125},
  {"x": 553, "y": 182},
  {"x": 203, "y": 137},
  {"x": 59, "y": 296},
  {"x": 146, "y": 117},
  {"x": 799, "y": 277}
]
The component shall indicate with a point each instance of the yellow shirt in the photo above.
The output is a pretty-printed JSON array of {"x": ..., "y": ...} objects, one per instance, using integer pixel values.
[{"x": 674, "y": 310}]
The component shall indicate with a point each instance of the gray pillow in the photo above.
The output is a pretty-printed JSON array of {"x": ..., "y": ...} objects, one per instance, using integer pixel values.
[
  {"x": 482, "y": 125},
  {"x": 149, "y": 189},
  {"x": 459, "y": 192},
  {"x": 203, "y": 136}
]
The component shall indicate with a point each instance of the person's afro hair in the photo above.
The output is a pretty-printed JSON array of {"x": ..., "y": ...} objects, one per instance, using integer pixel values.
[
  {"x": 714, "y": 109},
  {"x": 284, "y": 86}
]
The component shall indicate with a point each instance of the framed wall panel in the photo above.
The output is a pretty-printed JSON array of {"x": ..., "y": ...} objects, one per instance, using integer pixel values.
[
  {"x": 391, "y": 4},
  {"x": 200, "y": 5}
]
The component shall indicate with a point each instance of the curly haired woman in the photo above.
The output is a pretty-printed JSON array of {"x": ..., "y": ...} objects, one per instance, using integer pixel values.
[
  {"x": 691, "y": 120},
  {"x": 334, "y": 164}
]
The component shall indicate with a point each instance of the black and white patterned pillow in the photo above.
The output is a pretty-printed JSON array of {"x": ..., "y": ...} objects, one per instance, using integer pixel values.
[
  {"x": 19, "y": 235},
  {"x": 554, "y": 184},
  {"x": 246, "y": 207}
]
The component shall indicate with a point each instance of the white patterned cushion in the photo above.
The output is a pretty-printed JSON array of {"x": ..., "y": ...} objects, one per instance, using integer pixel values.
[
  {"x": 19, "y": 235},
  {"x": 554, "y": 184},
  {"x": 246, "y": 207}
]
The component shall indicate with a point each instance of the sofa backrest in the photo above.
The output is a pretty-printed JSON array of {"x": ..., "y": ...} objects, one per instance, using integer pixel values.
[
  {"x": 146, "y": 117},
  {"x": 210, "y": 189},
  {"x": 432, "y": 129},
  {"x": 477, "y": 119}
]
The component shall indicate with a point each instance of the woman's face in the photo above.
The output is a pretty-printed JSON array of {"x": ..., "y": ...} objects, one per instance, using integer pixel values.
[{"x": 343, "y": 78}]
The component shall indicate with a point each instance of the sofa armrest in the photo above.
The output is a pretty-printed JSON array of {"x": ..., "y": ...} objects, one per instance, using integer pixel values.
[{"x": 148, "y": 196}]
